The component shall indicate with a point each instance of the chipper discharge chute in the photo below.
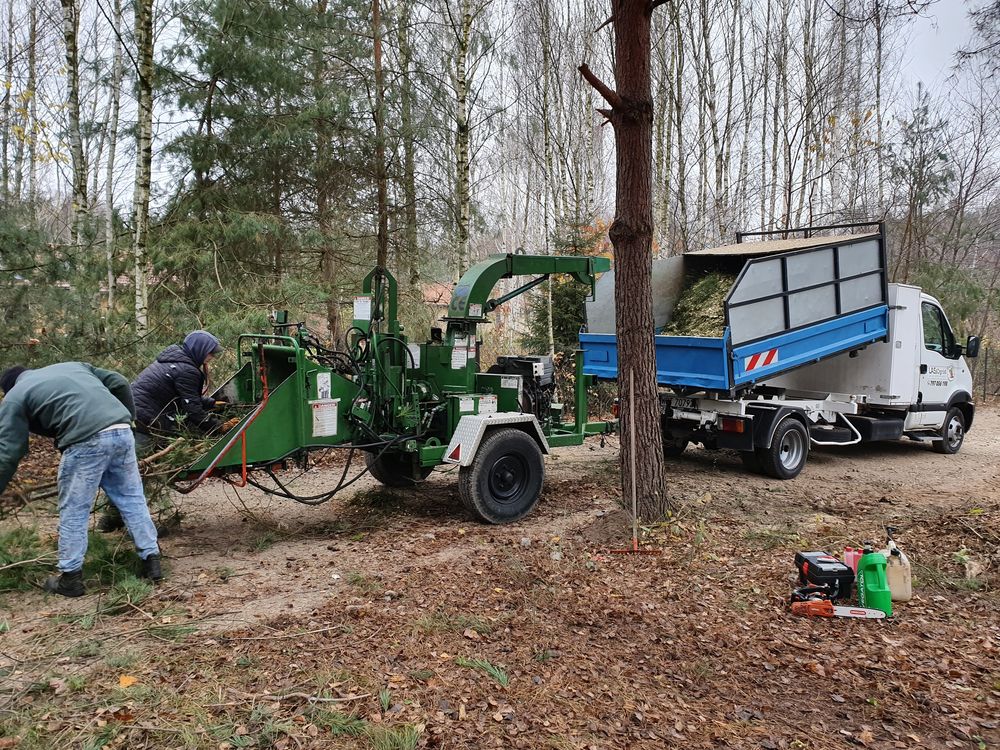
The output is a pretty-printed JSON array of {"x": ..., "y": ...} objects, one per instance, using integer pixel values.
[{"x": 407, "y": 406}]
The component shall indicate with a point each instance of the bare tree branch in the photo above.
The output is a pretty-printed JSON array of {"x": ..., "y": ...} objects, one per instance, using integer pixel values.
[{"x": 609, "y": 94}]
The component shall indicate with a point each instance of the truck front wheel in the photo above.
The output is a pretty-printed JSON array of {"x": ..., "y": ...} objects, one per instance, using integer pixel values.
[
  {"x": 504, "y": 480},
  {"x": 789, "y": 449},
  {"x": 952, "y": 432}
]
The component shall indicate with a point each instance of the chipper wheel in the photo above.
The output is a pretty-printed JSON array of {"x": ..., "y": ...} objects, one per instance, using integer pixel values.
[
  {"x": 395, "y": 469},
  {"x": 504, "y": 480}
]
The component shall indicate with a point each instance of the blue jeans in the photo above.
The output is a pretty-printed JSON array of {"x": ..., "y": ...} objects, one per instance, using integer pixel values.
[{"x": 107, "y": 460}]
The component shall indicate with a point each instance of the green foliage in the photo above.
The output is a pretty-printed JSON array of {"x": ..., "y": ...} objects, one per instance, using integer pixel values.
[
  {"x": 486, "y": 667},
  {"x": 568, "y": 297},
  {"x": 338, "y": 723},
  {"x": 111, "y": 560},
  {"x": 405, "y": 737},
  {"x": 21, "y": 547},
  {"x": 917, "y": 162},
  {"x": 958, "y": 291},
  {"x": 272, "y": 182}
]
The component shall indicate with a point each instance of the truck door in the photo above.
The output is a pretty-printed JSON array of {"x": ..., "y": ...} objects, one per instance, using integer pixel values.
[{"x": 938, "y": 360}]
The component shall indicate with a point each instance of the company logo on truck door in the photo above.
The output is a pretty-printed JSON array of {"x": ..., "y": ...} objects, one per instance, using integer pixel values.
[{"x": 761, "y": 359}]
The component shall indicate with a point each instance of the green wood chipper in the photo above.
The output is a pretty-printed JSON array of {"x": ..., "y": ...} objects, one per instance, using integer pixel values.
[{"x": 409, "y": 407}]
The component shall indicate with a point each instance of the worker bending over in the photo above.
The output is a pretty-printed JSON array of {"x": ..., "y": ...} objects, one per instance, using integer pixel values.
[{"x": 89, "y": 413}]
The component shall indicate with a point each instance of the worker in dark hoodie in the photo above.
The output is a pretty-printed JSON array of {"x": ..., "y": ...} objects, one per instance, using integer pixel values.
[
  {"x": 170, "y": 396},
  {"x": 89, "y": 413},
  {"x": 170, "y": 393}
]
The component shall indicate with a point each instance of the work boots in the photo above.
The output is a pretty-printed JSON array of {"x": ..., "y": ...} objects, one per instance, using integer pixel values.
[
  {"x": 67, "y": 584},
  {"x": 151, "y": 569}
]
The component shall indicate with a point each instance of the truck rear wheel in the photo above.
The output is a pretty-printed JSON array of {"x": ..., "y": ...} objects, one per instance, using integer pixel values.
[
  {"x": 952, "y": 432},
  {"x": 789, "y": 449},
  {"x": 395, "y": 469},
  {"x": 673, "y": 447},
  {"x": 504, "y": 480}
]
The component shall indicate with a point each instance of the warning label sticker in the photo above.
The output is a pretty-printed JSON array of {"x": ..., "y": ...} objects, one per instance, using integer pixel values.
[{"x": 324, "y": 417}]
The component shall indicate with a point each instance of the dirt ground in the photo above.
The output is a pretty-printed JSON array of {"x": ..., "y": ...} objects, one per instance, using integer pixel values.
[{"x": 391, "y": 620}]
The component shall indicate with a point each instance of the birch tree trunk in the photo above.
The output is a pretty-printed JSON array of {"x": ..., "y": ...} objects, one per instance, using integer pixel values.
[
  {"x": 117, "y": 74},
  {"x": 71, "y": 28},
  {"x": 631, "y": 115},
  {"x": 25, "y": 111},
  {"x": 31, "y": 133},
  {"x": 8, "y": 93},
  {"x": 463, "y": 165},
  {"x": 678, "y": 114},
  {"x": 144, "y": 158}
]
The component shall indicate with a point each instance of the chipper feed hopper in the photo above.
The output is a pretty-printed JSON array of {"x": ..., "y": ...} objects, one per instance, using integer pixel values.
[{"x": 409, "y": 407}]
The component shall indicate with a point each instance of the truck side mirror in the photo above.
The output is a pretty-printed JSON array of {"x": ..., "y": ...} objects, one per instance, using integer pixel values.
[{"x": 972, "y": 347}]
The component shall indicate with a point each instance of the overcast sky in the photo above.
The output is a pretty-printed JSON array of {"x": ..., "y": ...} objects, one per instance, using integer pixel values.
[{"x": 935, "y": 37}]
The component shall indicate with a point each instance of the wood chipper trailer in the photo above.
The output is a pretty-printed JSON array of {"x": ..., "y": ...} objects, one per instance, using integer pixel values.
[{"x": 409, "y": 407}]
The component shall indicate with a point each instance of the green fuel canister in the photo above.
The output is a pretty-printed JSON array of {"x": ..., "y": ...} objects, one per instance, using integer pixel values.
[{"x": 873, "y": 590}]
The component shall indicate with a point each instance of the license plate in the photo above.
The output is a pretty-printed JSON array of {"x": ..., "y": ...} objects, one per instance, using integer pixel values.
[{"x": 682, "y": 403}]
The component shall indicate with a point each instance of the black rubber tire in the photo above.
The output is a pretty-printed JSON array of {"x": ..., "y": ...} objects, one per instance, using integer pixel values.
[
  {"x": 751, "y": 462},
  {"x": 789, "y": 450},
  {"x": 673, "y": 447},
  {"x": 504, "y": 481},
  {"x": 395, "y": 469},
  {"x": 952, "y": 432}
]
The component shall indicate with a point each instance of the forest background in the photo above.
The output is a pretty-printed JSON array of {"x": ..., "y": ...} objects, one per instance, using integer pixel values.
[{"x": 197, "y": 163}]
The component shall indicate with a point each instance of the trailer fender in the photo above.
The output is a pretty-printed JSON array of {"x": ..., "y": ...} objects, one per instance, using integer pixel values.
[
  {"x": 767, "y": 417},
  {"x": 472, "y": 427}
]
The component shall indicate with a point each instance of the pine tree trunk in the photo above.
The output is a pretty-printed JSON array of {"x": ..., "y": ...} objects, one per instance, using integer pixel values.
[
  {"x": 322, "y": 181},
  {"x": 144, "y": 158},
  {"x": 71, "y": 28},
  {"x": 631, "y": 114}
]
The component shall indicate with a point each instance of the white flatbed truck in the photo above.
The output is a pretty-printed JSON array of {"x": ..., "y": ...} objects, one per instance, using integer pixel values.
[{"x": 817, "y": 350}]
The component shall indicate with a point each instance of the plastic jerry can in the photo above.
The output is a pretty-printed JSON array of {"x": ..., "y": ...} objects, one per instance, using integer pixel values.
[
  {"x": 873, "y": 590},
  {"x": 898, "y": 574},
  {"x": 851, "y": 557}
]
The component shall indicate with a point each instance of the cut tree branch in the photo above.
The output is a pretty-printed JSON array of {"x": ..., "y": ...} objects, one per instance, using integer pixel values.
[
  {"x": 654, "y": 4},
  {"x": 609, "y": 21},
  {"x": 609, "y": 94}
]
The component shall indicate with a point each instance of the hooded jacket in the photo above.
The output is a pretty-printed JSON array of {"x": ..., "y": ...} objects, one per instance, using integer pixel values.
[{"x": 172, "y": 387}]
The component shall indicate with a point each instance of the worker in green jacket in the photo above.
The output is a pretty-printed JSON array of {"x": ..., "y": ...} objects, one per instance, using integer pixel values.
[{"x": 88, "y": 411}]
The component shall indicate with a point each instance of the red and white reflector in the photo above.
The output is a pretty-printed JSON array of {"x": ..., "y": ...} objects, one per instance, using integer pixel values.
[
  {"x": 456, "y": 454},
  {"x": 760, "y": 359}
]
